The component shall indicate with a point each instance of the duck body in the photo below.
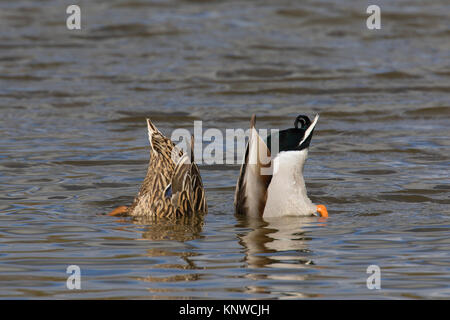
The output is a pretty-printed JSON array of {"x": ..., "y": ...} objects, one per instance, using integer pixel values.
[
  {"x": 286, "y": 194},
  {"x": 172, "y": 187},
  {"x": 271, "y": 182}
]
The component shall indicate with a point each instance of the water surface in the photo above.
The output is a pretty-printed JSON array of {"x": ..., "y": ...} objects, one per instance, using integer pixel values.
[{"x": 73, "y": 146}]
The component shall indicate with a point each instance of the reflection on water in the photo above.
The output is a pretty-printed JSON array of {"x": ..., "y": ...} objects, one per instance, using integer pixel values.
[
  {"x": 280, "y": 244},
  {"x": 73, "y": 146},
  {"x": 182, "y": 229},
  {"x": 277, "y": 235}
]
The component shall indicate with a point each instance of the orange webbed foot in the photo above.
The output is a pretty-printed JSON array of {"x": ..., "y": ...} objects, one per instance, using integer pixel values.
[
  {"x": 118, "y": 211},
  {"x": 322, "y": 210}
]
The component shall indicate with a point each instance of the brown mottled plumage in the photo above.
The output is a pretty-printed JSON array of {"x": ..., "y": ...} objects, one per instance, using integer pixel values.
[{"x": 172, "y": 187}]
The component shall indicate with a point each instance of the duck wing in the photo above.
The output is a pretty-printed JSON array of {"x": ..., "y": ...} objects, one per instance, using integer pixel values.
[
  {"x": 255, "y": 176},
  {"x": 199, "y": 198},
  {"x": 186, "y": 188}
]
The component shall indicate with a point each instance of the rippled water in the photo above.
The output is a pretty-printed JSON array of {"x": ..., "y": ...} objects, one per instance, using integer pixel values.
[{"x": 73, "y": 146}]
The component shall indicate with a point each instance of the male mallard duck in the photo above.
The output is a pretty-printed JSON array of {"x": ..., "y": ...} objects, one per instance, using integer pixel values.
[
  {"x": 172, "y": 187},
  {"x": 274, "y": 186}
]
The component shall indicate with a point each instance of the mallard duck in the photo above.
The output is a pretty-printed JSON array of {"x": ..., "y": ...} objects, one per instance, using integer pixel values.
[
  {"x": 172, "y": 187},
  {"x": 272, "y": 185}
]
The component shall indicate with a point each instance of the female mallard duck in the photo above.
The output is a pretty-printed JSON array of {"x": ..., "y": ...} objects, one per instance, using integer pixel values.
[
  {"x": 275, "y": 187},
  {"x": 172, "y": 187}
]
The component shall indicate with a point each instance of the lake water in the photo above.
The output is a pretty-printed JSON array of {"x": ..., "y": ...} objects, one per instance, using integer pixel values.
[{"x": 73, "y": 146}]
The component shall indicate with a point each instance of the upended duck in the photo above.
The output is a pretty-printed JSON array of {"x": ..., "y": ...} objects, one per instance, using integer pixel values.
[
  {"x": 172, "y": 187},
  {"x": 272, "y": 185}
]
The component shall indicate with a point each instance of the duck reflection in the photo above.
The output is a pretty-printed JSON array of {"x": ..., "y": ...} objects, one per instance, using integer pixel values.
[
  {"x": 280, "y": 244},
  {"x": 276, "y": 243},
  {"x": 181, "y": 229},
  {"x": 184, "y": 229},
  {"x": 168, "y": 237},
  {"x": 185, "y": 268}
]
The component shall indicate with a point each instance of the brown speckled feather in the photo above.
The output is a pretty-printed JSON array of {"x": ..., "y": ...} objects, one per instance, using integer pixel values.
[{"x": 172, "y": 187}]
